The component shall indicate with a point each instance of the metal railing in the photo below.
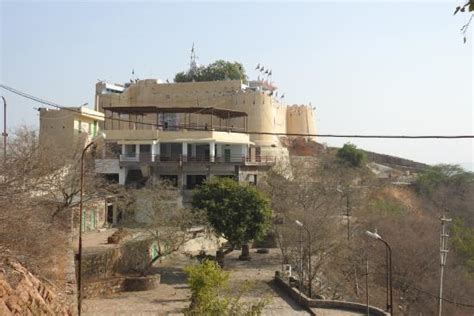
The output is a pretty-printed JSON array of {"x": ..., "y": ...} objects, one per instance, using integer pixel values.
[{"x": 179, "y": 158}]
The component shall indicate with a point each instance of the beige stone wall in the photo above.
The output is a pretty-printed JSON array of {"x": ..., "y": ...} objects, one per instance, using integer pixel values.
[{"x": 265, "y": 113}]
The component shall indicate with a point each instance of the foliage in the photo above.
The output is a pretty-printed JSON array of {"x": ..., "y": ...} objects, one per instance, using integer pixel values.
[
  {"x": 351, "y": 155},
  {"x": 207, "y": 283},
  {"x": 434, "y": 177},
  {"x": 217, "y": 71},
  {"x": 463, "y": 242},
  {"x": 239, "y": 213}
]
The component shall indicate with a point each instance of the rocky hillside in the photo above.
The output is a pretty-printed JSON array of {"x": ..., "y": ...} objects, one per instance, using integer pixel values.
[{"x": 22, "y": 293}]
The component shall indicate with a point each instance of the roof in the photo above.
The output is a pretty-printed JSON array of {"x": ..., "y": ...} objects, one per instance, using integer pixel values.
[{"x": 222, "y": 113}]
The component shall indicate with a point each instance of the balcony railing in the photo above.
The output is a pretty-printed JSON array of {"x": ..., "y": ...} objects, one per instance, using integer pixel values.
[{"x": 178, "y": 158}]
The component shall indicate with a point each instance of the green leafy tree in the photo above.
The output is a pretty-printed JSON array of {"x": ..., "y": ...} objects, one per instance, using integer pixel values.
[
  {"x": 217, "y": 71},
  {"x": 463, "y": 243},
  {"x": 440, "y": 175},
  {"x": 236, "y": 212},
  {"x": 351, "y": 155}
]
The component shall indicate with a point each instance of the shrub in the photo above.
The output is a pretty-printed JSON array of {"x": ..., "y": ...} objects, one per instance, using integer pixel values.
[{"x": 351, "y": 155}]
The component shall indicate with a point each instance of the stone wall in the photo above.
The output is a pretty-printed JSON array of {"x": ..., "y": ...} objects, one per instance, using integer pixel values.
[
  {"x": 109, "y": 286},
  {"x": 133, "y": 256}
]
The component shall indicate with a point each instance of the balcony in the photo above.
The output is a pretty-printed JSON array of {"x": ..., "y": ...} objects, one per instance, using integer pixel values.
[{"x": 198, "y": 159}]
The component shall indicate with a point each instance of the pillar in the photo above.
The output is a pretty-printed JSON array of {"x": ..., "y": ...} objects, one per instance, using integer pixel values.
[
  {"x": 137, "y": 151},
  {"x": 122, "y": 175},
  {"x": 212, "y": 151},
  {"x": 184, "y": 151},
  {"x": 123, "y": 150},
  {"x": 152, "y": 152}
]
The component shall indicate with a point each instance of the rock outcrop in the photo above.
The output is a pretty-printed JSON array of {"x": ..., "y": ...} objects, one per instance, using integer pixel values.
[{"x": 22, "y": 293}]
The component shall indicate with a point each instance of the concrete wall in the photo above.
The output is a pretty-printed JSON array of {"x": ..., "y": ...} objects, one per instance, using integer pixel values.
[
  {"x": 326, "y": 304},
  {"x": 148, "y": 136},
  {"x": 94, "y": 214}
]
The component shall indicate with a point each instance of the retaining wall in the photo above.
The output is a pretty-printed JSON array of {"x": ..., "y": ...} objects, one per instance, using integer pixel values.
[
  {"x": 109, "y": 286},
  {"x": 133, "y": 256},
  {"x": 328, "y": 304}
]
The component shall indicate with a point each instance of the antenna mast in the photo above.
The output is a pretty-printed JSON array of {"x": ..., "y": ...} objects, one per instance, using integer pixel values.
[{"x": 193, "y": 65}]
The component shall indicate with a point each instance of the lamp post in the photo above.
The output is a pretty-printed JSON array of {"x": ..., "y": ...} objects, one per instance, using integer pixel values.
[
  {"x": 388, "y": 260},
  {"x": 300, "y": 224},
  {"x": 79, "y": 253}
]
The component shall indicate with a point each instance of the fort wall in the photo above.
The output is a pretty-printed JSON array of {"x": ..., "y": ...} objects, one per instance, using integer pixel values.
[{"x": 265, "y": 113}]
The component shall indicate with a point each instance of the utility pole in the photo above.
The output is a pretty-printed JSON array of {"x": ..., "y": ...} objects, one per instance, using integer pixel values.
[
  {"x": 443, "y": 249},
  {"x": 4, "y": 134}
]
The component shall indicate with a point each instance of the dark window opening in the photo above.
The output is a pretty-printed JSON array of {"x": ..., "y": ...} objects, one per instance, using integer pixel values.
[{"x": 193, "y": 181}]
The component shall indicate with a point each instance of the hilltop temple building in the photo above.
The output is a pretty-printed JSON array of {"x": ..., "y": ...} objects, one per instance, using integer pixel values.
[
  {"x": 184, "y": 132},
  {"x": 187, "y": 132}
]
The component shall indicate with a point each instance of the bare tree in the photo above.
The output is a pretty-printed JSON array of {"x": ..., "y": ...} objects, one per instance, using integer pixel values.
[{"x": 157, "y": 208}]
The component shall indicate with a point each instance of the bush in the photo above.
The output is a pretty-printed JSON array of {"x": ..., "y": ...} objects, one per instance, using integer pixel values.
[
  {"x": 351, "y": 155},
  {"x": 207, "y": 282}
]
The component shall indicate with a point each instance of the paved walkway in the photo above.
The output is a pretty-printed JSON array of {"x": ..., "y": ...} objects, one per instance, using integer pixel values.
[
  {"x": 333, "y": 312},
  {"x": 173, "y": 296}
]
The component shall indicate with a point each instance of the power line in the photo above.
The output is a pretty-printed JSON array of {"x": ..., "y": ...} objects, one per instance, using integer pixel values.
[{"x": 55, "y": 105}]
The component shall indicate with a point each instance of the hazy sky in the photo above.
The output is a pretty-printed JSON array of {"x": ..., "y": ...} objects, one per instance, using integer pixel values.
[{"x": 368, "y": 67}]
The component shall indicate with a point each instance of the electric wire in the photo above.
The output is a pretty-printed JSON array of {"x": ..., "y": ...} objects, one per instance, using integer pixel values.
[{"x": 55, "y": 105}]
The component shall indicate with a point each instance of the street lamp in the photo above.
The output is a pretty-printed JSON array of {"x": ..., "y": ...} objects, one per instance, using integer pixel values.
[
  {"x": 300, "y": 224},
  {"x": 79, "y": 254},
  {"x": 388, "y": 260}
]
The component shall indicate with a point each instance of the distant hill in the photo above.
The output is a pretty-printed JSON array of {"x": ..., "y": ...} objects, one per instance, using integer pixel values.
[{"x": 395, "y": 162}]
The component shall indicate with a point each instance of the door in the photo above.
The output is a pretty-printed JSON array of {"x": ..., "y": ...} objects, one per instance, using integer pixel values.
[{"x": 226, "y": 155}]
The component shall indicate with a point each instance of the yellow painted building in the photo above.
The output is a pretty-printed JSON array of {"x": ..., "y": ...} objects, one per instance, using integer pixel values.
[{"x": 64, "y": 131}]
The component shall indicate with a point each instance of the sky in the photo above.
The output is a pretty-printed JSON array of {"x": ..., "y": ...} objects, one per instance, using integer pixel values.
[{"x": 373, "y": 67}]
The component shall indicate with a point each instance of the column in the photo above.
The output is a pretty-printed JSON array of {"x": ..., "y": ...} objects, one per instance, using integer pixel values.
[
  {"x": 184, "y": 151},
  {"x": 212, "y": 151},
  {"x": 123, "y": 150},
  {"x": 152, "y": 152},
  {"x": 137, "y": 151},
  {"x": 122, "y": 175},
  {"x": 244, "y": 151}
]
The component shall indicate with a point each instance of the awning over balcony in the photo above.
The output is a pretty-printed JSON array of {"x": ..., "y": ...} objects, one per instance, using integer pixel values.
[{"x": 221, "y": 113}]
